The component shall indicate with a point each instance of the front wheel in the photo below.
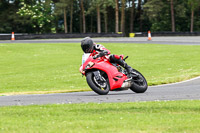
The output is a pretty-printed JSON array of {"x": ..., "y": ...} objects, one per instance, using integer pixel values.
[
  {"x": 101, "y": 87},
  {"x": 139, "y": 83}
]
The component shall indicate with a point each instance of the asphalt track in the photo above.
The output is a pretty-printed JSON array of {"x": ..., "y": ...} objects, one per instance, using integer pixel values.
[
  {"x": 195, "y": 40},
  {"x": 187, "y": 90}
]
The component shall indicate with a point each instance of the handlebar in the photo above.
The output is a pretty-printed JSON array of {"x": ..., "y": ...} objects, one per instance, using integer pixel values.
[{"x": 125, "y": 58}]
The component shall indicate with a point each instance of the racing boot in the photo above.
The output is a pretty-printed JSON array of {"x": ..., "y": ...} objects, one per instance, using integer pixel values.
[
  {"x": 130, "y": 71},
  {"x": 127, "y": 67}
]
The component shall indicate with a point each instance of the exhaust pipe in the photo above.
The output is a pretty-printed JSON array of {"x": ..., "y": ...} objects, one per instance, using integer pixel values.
[{"x": 126, "y": 84}]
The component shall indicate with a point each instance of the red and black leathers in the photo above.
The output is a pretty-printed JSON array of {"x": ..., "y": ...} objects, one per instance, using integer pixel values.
[{"x": 99, "y": 51}]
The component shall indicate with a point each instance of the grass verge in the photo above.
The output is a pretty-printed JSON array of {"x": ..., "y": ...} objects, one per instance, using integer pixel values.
[
  {"x": 31, "y": 68},
  {"x": 145, "y": 117}
]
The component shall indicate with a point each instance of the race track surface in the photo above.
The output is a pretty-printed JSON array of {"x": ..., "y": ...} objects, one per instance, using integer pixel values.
[
  {"x": 179, "y": 91},
  {"x": 185, "y": 40}
]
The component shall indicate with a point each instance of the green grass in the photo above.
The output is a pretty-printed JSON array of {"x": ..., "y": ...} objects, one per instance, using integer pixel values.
[
  {"x": 138, "y": 117},
  {"x": 29, "y": 68}
]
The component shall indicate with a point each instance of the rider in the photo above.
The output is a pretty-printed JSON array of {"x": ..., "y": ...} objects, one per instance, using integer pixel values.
[{"x": 98, "y": 50}]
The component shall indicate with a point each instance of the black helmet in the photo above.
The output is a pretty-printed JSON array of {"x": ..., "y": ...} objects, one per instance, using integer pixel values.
[{"x": 87, "y": 45}]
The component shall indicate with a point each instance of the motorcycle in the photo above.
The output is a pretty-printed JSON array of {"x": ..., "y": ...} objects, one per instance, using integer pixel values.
[{"x": 103, "y": 76}]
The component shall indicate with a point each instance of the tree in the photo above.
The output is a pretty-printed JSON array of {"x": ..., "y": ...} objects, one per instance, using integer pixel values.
[
  {"x": 123, "y": 16},
  {"x": 83, "y": 15},
  {"x": 100, "y": 7},
  {"x": 10, "y": 21},
  {"x": 63, "y": 7},
  {"x": 65, "y": 20},
  {"x": 194, "y": 5},
  {"x": 105, "y": 5},
  {"x": 40, "y": 14},
  {"x": 132, "y": 16},
  {"x": 95, "y": 6},
  {"x": 172, "y": 15},
  {"x": 44, "y": 16},
  {"x": 140, "y": 13},
  {"x": 98, "y": 18},
  {"x": 71, "y": 16},
  {"x": 105, "y": 21},
  {"x": 158, "y": 13},
  {"x": 116, "y": 16}
]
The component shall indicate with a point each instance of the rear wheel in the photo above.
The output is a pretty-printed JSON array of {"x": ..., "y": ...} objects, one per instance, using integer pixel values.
[
  {"x": 139, "y": 84},
  {"x": 101, "y": 87}
]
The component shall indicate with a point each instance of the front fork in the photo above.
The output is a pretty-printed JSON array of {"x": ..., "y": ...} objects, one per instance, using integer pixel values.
[
  {"x": 99, "y": 79},
  {"x": 98, "y": 76}
]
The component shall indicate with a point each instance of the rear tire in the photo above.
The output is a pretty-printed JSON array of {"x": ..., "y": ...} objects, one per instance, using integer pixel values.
[
  {"x": 95, "y": 87},
  {"x": 139, "y": 85}
]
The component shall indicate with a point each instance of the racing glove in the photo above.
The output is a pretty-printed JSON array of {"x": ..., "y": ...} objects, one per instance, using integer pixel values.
[{"x": 99, "y": 55}]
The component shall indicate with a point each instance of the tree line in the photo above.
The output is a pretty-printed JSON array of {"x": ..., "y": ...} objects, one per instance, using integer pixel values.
[{"x": 99, "y": 16}]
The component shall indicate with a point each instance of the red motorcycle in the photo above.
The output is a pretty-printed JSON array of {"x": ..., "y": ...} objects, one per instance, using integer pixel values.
[{"x": 103, "y": 76}]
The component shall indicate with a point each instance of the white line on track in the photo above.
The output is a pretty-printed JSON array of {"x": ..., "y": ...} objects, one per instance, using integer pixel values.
[{"x": 177, "y": 82}]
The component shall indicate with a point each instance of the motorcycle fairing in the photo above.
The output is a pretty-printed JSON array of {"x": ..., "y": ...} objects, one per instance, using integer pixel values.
[{"x": 115, "y": 77}]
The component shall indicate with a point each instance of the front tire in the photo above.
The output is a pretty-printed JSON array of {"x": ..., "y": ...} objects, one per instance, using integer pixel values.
[
  {"x": 139, "y": 84},
  {"x": 95, "y": 86}
]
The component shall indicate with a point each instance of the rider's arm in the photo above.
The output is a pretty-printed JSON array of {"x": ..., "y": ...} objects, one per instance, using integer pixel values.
[{"x": 102, "y": 50}]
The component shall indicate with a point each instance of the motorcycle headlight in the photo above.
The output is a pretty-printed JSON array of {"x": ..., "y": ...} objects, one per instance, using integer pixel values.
[{"x": 89, "y": 65}]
